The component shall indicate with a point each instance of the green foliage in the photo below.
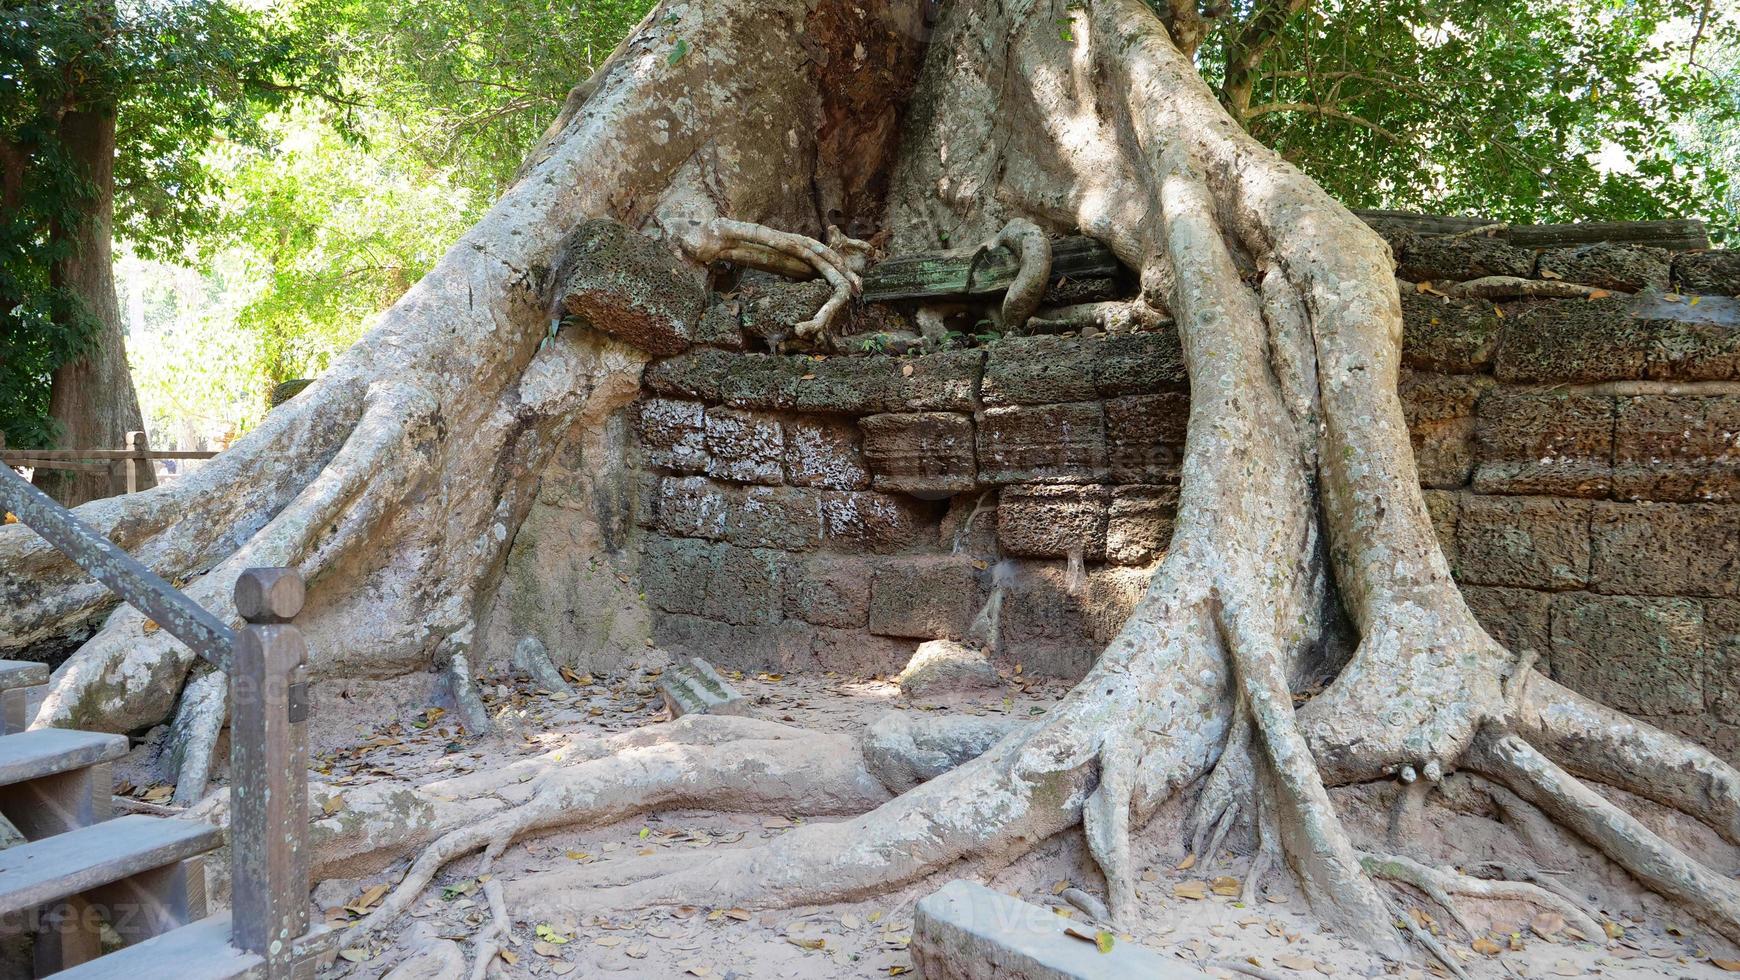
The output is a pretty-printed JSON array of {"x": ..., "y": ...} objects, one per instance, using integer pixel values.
[
  {"x": 1525, "y": 111},
  {"x": 176, "y": 74}
]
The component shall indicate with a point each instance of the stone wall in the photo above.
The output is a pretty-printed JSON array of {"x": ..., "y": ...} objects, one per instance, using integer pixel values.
[{"x": 1581, "y": 458}]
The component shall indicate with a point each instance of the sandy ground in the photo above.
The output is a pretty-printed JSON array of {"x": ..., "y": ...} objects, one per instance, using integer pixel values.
[{"x": 869, "y": 939}]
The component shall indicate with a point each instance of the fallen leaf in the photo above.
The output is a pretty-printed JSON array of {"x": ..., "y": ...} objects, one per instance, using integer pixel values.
[
  {"x": 1225, "y": 885},
  {"x": 563, "y": 968},
  {"x": 549, "y": 933},
  {"x": 355, "y": 955},
  {"x": 509, "y": 957},
  {"x": 367, "y": 899},
  {"x": 807, "y": 942},
  {"x": 1731, "y": 966},
  {"x": 1193, "y": 890},
  {"x": 906, "y": 371},
  {"x": 635, "y": 952},
  {"x": 1599, "y": 294},
  {"x": 1188, "y": 862},
  {"x": 1613, "y": 929},
  {"x": 332, "y": 804},
  {"x": 1292, "y": 962},
  {"x": 1486, "y": 947},
  {"x": 741, "y": 915},
  {"x": 551, "y": 950},
  {"x": 1565, "y": 968},
  {"x": 149, "y": 626},
  {"x": 608, "y": 941},
  {"x": 1547, "y": 924}
]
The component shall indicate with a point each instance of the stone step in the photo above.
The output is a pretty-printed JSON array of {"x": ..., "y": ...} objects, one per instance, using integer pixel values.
[
  {"x": 22, "y": 685},
  {"x": 695, "y": 688},
  {"x": 965, "y": 931},
  {"x": 22, "y": 673},
  {"x": 48, "y": 751},
  {"x": 67, "y": 865},
  {"x": 200, "y": 951}
]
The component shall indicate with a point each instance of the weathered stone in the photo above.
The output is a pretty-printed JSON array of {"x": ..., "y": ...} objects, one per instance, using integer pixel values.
[
  {"x": 1666, "y": 549},
  {"x": 1694, "y": 350},
  {"x": 1545, "y": 441},
  {"x": 673, "y": 435},
  {"x": 824, "y": 453},
  {"x": 691, "y": 507},
  {"x": 745, "y": 447},
  {"x": 743, "y": 587},
  {"x": 1046, "y": 521},
  {"x": 674, "y": 572},
  {"x": 922, "y": 453},
  {"x": 1145, "y": 436},
  {"x": 683, "y": 635},
  {"x": 1038, "y": 370},
  {"x": 965, "y": 931},
  {"x": 873, "y": 521},
  {"x": 829, "y": 590},
  {"x": 943, "y": 382},
  {"x": 1440, "y": 414},
  {"x": 1574, "y": 340},
  {"x": 1034, "y": 443},
  {"x": 1677, "y": 447},
  {"x": 1641, "y": 655},
  {"x": 1517, "y": 618},
  {"x": 1431, "y": 258},
  {"x": 1445, "y": 508},
  {"x": 532, "y": 660},
  {"x": 1452, "y": 336},
  {"x": 785, "y": 518},
  {"x": 1607, "y": 265},
  {"x": 906, "y": 748},
  {"x": 1054, "y": 623},
  {"x": 626, "y": 285},
  {"x": 1139, "y": 524},
  {"x": 853, "y": 653},
  {"x": 943, "y": 667},
  {"x": 721, "y": 326},
  {"x": 1528, "y": 542},
  {"x": 698, "y": 374},
  {"x": 765, "y": 381},
  {"x": 1715, "y": 271},
  {"x": 1722, "y": 660},
  {"x": 695, "y": 688},
  {"x": 847, "y": 385},
  {"x": 1138, "y": 363},
  {"x": 772, "y": 307},
  {"x": 926, "y": 597}
]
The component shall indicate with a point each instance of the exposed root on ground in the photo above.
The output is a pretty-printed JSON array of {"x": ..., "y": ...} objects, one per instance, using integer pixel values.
[{"x": 1441, "y": 884}]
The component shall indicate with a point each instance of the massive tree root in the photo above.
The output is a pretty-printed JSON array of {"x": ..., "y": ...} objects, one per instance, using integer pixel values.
[{"x": 1302, "y": 550}]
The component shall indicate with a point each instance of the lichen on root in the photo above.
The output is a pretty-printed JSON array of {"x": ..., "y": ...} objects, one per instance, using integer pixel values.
[{"x": 1302, "y": 547}]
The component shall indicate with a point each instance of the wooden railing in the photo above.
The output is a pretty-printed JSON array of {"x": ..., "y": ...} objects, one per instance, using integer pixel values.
[
  {"x": 123, "y": 465},
  {"x": 268, "y": 685}
]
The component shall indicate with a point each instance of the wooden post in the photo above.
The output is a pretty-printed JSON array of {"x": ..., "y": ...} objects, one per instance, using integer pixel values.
[
  {"x": 136, "y": 444},
  {"x": 269, "y": 769}
]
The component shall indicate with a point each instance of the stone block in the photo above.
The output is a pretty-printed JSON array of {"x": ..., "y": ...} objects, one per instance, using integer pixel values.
[
  {"x": 1440, "y": 413},
  {"x": 943, "y": 382},
  {"x": 673, "y": 434},
  {"x": 773, "y": 307},
  {"x": 926, "y": 597},
  {"x": 1038, "y": 370},
  {"x": 1138, "y": 363},
  {"x": 829, "y": 590},
  {"x": 743, "y": 586},
  {"x": 1051, "y": 521},
  {"x": 1055, "y": 624},
  {"x": 853, "y": 653},
  {"x": 745, "y": 447},
  {"x": 1445, "y": 509},
  {"x": 942, "y": 667},
  {"x": 1677, "y": 447},
  {"x": 1452, "y": 336},
  {"x": 1145, "y": 436},
  {"x": 1526, "y": 542},
  {"x": 1694, "y": 350},
  {"x": 624, "y": 284},
  {"x": 965, "y": 931},
  {"x": 1607, "y": 265},
  {"x": 674, "y": 573},
  {"x": 1722, "y": 658},
  {"x": 1666, "y": 549},
  {"x": 692, "y": 507},
  {"x": 1545, "y": 441},
  {"x": 1574, "y": 340},
  {"x": 1433, "y": 258},
  {"x": 871, "y": 521},
  {"x": 698, "y": 374},
  {"x": 1139, "y": 523},
  {"x": 1713, "y": 272},
  {"x": 846, "y": 385},
  {"x": 927, "y": 454},
  {"x": 695, "y": 688},
  {"x": 764, "y": 381},
  {"x": 824, "y": 453},
  {"x": 694, "y": 636},
  {"x": 1518, "y": 618},
  {"x": 721, "y": 326},
  {"x": 1640, "y": 655},
  {"x": 785, "y": 518},
  {"x": 1039, "y": 443}
]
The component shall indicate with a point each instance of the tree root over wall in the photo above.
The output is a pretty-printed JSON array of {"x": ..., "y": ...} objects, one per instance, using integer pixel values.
[{"x": 1302, "y": 549}]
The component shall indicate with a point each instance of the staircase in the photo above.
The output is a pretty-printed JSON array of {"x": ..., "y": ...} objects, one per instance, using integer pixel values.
[{"x": 143, "y": 877}]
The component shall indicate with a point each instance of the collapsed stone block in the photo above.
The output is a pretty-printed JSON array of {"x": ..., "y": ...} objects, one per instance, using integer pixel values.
[
  {"x": 921, "y": 453},
  {"x": 1452, "y": 336},
  {"x": 1440, "y": 413},
  {"x": 721, "y": 326},
  {"x": 744, "y": 447},
  {"x": 627, "y": 286},
  {"x": 773, "y": 307},
  {"x": 1545, "y": 441},
  {"x": 1051, "y": 521},
  {"x": 1526, "y": 542},
  {"x": 695, "y": 688},
  {"x": 1040, "y": 443},
  {"x": 1677, "y": 447},
  {"x": 824, "y": 453},
  {"x": 1607, "y": 265},
  {"x": 1636, "y": 654},
  {"x": 673, "y": 434}
]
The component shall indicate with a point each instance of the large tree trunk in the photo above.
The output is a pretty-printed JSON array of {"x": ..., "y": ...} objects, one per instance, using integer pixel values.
[
  {"x": 1301, "y": 526},
  {"x": 91, "y": 398}
]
